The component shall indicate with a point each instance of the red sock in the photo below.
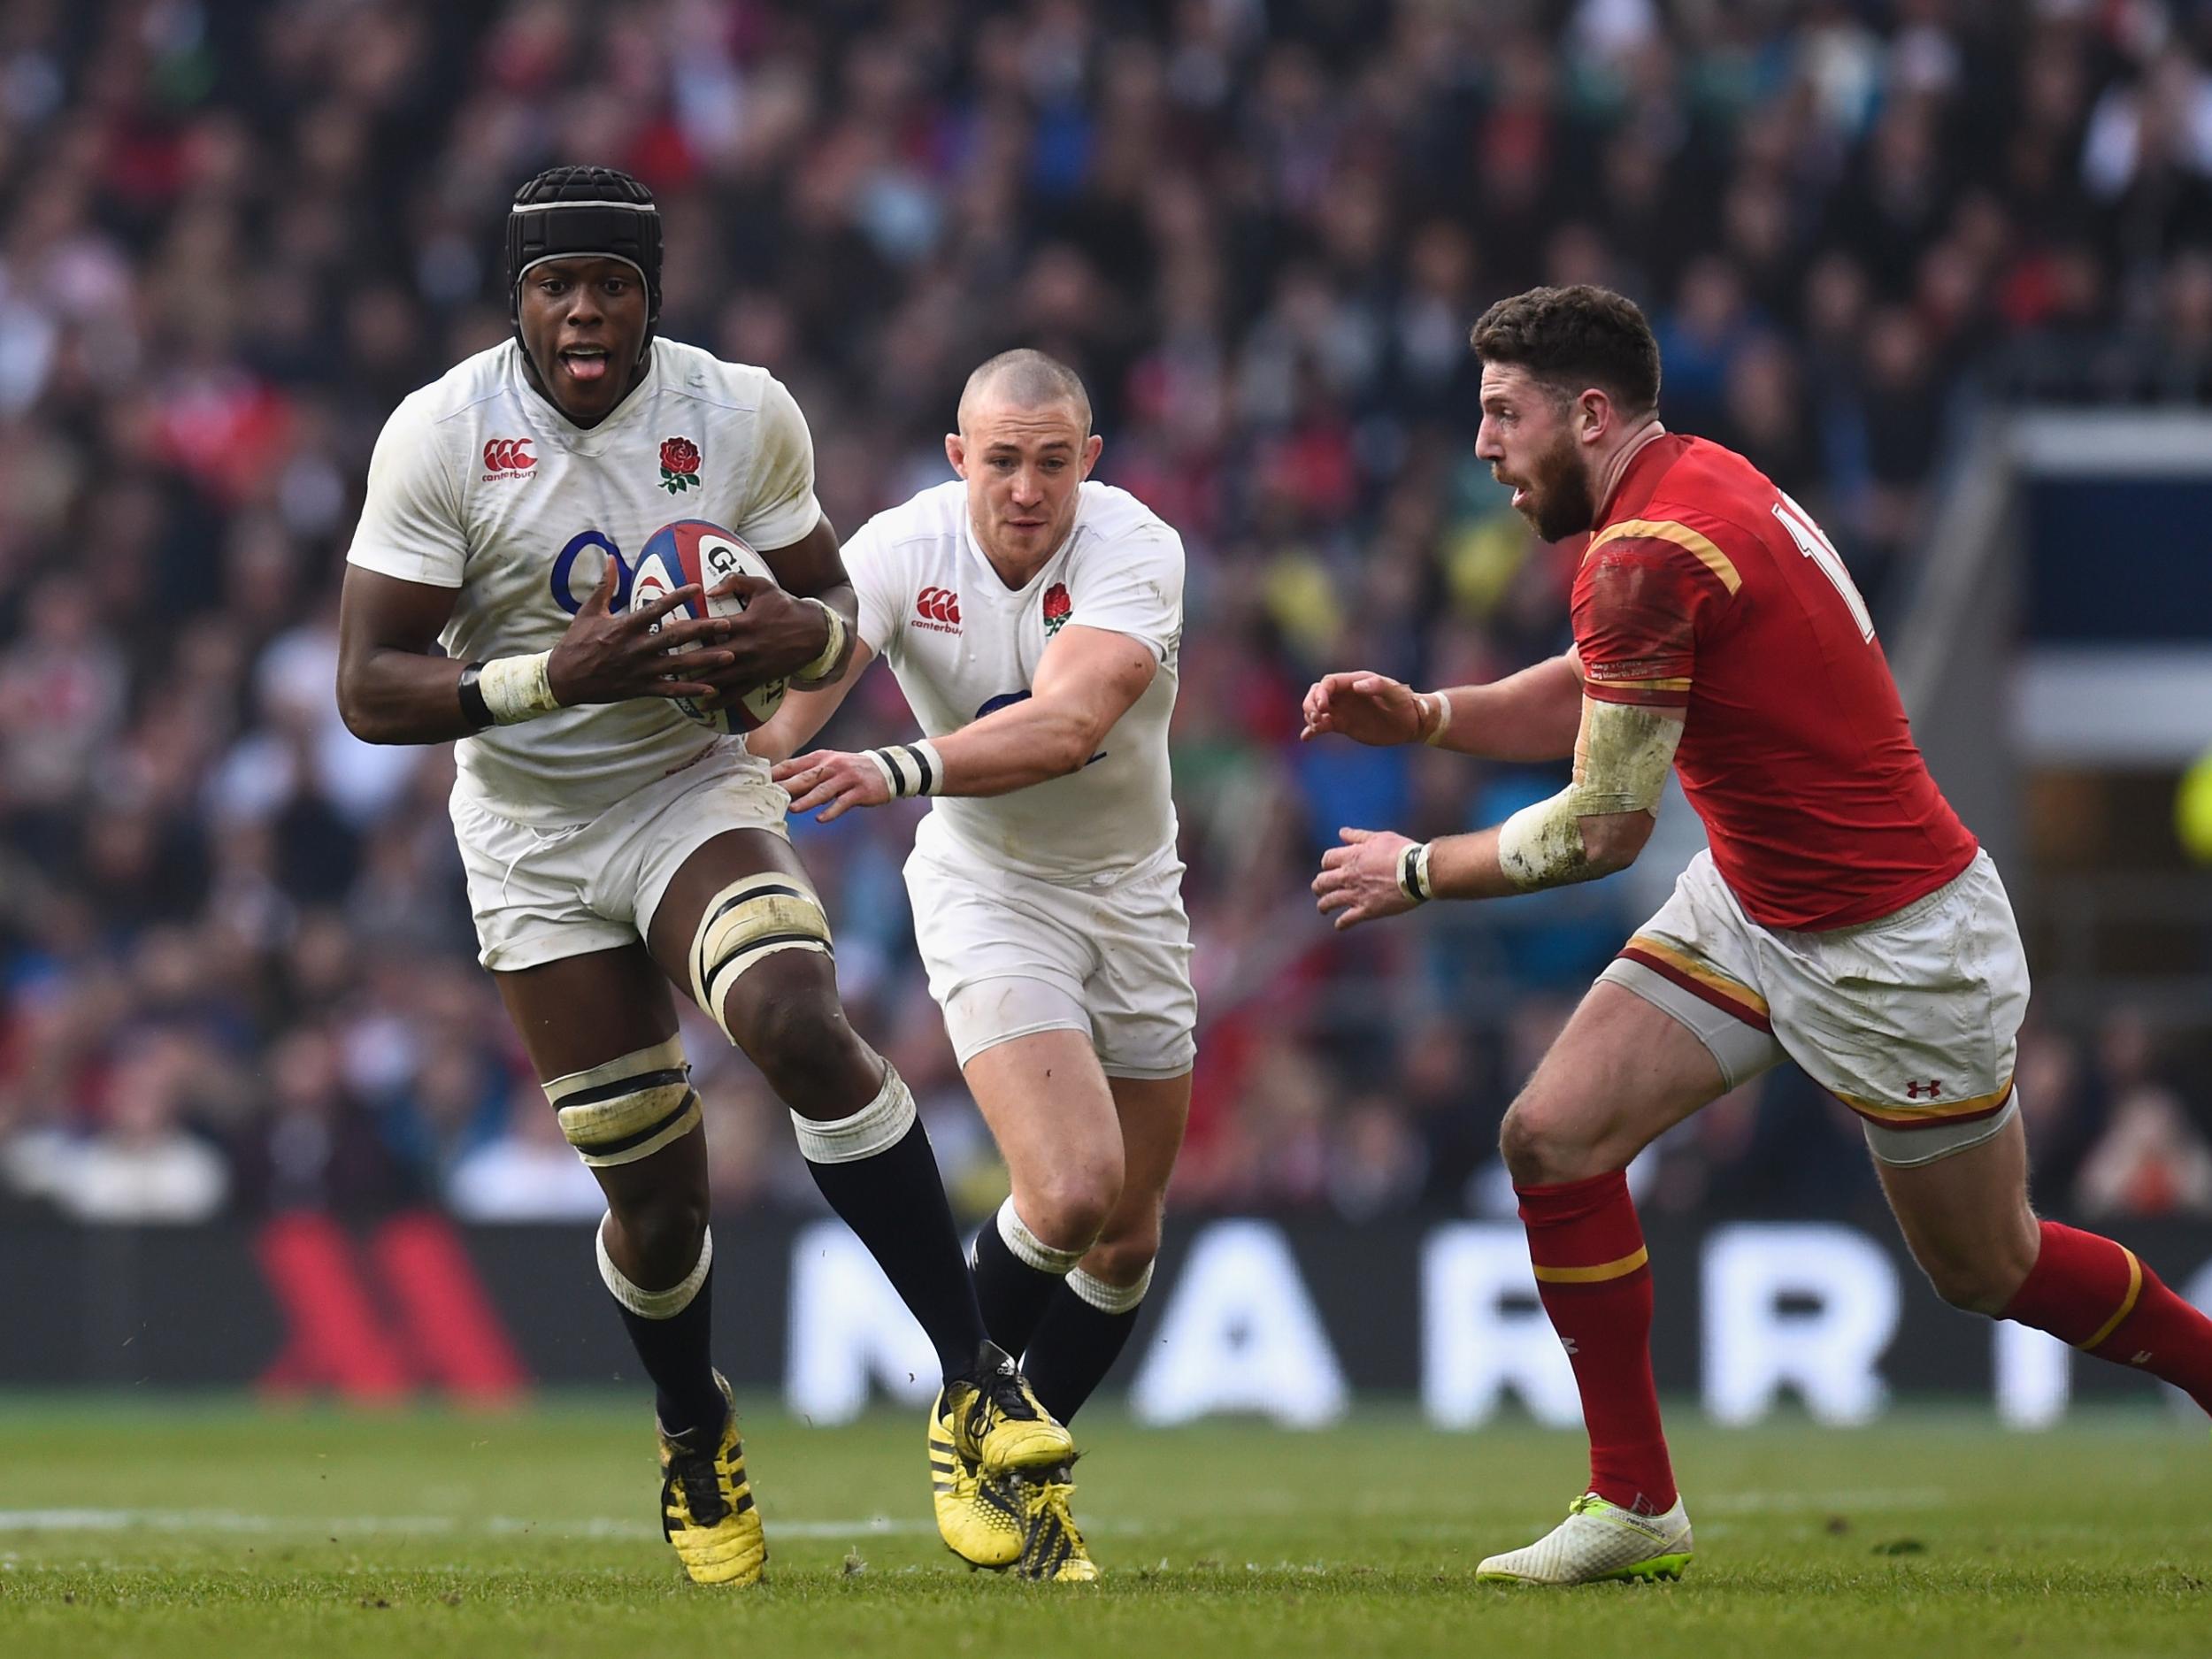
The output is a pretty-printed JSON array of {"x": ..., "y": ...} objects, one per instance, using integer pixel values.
[
  {"x": 1596, "y": 1283},
  {"x": 2095, "y": 1294}
]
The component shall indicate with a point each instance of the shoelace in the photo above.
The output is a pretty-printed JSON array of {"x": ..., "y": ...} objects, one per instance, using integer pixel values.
[
  {"x": 1003, "y": 1388},
  {"x": 702, "y": 1484},
  {"x": 1052, "y": 1534}
]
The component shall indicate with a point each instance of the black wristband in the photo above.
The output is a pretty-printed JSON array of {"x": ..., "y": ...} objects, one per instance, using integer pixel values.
[
  {"x": 1409, "y": 874},
  {"x": 474, "y": 709}
]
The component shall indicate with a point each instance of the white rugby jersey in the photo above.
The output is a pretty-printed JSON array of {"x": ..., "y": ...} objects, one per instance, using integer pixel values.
[
  {"x": 962, "y": 644},
  {"x": 479, "y": 483}
]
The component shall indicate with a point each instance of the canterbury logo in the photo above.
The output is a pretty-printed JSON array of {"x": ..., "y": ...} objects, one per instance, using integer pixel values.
[
  {"x": 937, "y": 604},
  {"x": 509, "y": 455}
]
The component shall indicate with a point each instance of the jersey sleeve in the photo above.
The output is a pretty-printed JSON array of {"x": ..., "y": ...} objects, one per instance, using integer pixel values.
[
  {"x": 779, "y": 507},
  {"x": 868, "y": 563},
  {"x": 410, "y": 513},
  {"x": 1649, "y": 590},
  {"x": 1133, "y": 585}
]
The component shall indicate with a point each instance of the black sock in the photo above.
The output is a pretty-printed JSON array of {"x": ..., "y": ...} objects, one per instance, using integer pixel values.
[
  {"x": 895, "y": 1200},
  {"x": 1011, "y": 1293},
  {"x": 1074, "y": 1346},
  {"x": 675, "y": 1354}
]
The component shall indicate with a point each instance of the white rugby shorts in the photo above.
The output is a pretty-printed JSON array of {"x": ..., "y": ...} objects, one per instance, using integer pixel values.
[
  {"x": 1911, "y": 1020},
  {"x": 539, "y": 894},
  {"x": 1011, "y": 955}
]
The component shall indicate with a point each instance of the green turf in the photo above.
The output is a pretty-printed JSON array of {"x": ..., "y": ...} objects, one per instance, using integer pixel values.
[{"x": 214, "y": 1530}]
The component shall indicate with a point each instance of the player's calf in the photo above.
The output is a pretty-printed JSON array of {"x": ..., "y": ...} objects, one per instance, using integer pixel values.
[
  {"x": 1965, "y": 1214},
  {"x": 634, "y": 1121},
  {"x": 660, "y": 1235},
  {"x": 2102, "y": 1298},
  {"x": 1017, "y": 1274},
  {"x": 760, "y": 963},
  {"x": 1046, "y": 1227},
  {"x": 1984, "y": 1281},
  {"x": 1082, "y": 1333}
]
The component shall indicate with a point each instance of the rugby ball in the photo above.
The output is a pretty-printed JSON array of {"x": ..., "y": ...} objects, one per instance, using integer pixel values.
[{"x": 691, "y": 551}]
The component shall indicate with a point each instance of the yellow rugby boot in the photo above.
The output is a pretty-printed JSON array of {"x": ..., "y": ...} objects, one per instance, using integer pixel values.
[
  {"x": 707, "y": 1509},
  {"x": 1052, "y": 1548},
  {"x": 980, "y": 1522},
  {"x": 995, "y": 1423}
]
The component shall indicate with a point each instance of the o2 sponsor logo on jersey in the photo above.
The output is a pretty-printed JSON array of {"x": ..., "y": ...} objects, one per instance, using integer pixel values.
[
  {"x": 572, "y": 587},
  {"x": 1007, "y": 699}
]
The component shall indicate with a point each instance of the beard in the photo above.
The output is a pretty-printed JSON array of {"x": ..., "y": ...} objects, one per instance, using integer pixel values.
[{"x": 1559, "y": 504}]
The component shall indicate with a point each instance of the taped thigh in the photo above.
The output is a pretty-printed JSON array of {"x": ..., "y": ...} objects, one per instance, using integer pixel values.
[
  {"x": 744, "y": 925},
  {"x": 1732, "y": 1031},
  {"x": 987, "y": 1012},
  {"x": 629, "y": 1108},
  {"x": 1910, "y": 1148}
]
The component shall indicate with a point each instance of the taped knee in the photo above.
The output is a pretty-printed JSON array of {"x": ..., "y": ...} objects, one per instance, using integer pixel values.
[
  {"x": 629, "y": 1108},
  {"x": 745, "y": 924}
]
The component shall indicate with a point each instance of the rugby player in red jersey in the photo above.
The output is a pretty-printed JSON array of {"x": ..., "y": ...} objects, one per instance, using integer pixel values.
[{"x": 1843, "y": 917}]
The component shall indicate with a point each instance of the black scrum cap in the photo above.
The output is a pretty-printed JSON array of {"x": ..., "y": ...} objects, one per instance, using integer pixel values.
[{"x": 567, "y": 212}]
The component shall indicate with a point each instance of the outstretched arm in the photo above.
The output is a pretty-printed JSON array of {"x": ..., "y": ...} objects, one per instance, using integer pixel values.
[
  {"x": 1087, "y": 679},
  {"x": 1595, "y": 825},
  {"x": 1531, "y": 716}
]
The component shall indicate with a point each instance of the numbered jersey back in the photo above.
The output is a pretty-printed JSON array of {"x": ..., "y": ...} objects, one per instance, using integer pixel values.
[{"x": 1707, "y": 588}]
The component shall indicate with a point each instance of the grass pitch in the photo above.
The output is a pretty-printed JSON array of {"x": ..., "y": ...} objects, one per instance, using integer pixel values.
[{"x": 177, "y": 1530}]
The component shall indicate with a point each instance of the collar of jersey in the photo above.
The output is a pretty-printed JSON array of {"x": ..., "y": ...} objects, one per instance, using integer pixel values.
[
  {"x": 997, "y": 583},
  {"x": 586, "y": 440},
  {"x": 1640, "y": 479}
]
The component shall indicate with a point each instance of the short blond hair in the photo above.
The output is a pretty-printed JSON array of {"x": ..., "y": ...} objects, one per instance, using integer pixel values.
[{"x": 1029, "y": 379}]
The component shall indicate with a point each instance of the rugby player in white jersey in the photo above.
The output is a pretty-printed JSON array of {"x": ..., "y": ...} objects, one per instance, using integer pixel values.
[
  {"x": 614, "y": 846},
  {"x": 1034, "y": 621}
]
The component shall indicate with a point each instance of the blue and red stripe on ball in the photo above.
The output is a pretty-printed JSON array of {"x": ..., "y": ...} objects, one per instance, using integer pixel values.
[{"x": 692, "y": 552}]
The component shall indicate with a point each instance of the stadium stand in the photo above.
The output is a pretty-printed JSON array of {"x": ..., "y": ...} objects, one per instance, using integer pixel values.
[{"x": 234, "y": 952}]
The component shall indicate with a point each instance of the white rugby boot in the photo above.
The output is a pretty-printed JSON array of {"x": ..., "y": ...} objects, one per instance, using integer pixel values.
[{"x": 1599, "y": 1541}]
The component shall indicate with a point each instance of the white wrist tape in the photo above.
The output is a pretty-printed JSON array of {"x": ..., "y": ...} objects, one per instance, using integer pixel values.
[
  {"x": 820, "y": 668},
  {"x": 1443, "y": 716},
  {"x": 1621, "y": 759},
  {"x": 1413, "y": 873},
  {"x": 516, "y": 688},
  {"x": 910, "y": 769}
]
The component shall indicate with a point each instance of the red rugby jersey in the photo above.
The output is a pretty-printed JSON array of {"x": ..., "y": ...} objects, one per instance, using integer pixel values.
[{"x": 1707, "y": 589}]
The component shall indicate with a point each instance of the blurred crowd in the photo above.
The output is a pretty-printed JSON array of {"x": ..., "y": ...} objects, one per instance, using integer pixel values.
[{"x": 236, "y": 972}]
